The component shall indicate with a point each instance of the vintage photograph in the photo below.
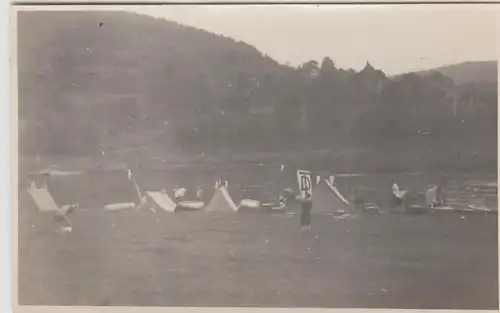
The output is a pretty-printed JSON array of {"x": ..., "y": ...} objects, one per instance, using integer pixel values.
[{"x": 294, "y": 156}]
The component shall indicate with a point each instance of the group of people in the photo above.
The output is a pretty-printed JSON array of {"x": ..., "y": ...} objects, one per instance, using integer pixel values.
[{"x": 433, "y": 197}]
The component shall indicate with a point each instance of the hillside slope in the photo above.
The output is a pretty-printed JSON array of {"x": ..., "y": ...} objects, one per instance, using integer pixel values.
[
  {"x": 471, "y": 72},
  {"x": 107, "y": 81},
  {"x": 115, "y": 71}
]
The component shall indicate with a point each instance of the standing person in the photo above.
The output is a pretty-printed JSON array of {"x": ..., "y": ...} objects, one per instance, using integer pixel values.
[
  {"x": 305, "y": 192},
  {"x": 395, "y": 188},
  {"x": 199, "y": 194},
  {"x": 281, "y": 202},
  {"x": 439, "y": 195},
  {"x": 398, "y": 196},
  {"x": 430, "y": 197},
  {"x": 179, "y": 194},
  {"x": 434, "y": 196},
  {"x": 305, "y": 216}
]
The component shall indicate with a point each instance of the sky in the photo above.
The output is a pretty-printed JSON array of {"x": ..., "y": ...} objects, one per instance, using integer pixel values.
[{"x": 395, "y": 38}]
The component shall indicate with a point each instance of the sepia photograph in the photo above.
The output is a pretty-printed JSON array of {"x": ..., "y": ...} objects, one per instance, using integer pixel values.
[{"x": 263, "y": 156}]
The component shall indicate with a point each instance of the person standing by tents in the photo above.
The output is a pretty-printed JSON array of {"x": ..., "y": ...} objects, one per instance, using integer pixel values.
[
  {"x": 439, "y": 195},
  {"x": 179, "y": 193},
  {"x": 305, "y": 192},
  {"x": 305, "y": 215},
  {"x": 199, "y": 194},
  {"x": 398, "y": 196},
  {"x": 434, "y": 196}
]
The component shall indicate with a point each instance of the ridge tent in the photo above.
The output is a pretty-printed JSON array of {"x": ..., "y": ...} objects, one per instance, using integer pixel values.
[
  {"x": 161, "y": 200},
  {"x": 221, "y": 201},
  {"x": 113, "y": 187},
  {"x": 326, "y": 198},
  {"x": 63, "y": 188},
  {"x": 94, "y": 189},
  {"x": 46, "y": 204},
  {"x": 43, "y": 199}
]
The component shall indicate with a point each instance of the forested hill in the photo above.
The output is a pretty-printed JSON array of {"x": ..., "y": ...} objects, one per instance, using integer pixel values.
[
  {"x": 90, "y": 79},
  {"x": 471, "y": 72},
  {"x": 115, "y": 70}
]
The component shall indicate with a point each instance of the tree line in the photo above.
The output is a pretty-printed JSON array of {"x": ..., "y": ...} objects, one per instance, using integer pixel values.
[{"x": 90, "y": 79}]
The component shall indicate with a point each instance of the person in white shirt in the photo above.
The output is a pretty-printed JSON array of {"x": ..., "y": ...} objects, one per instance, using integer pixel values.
[
  {"x": 395, "y": 188},
  {"x": 199, "y": 194},
  {"x": 434, "y": 196},
  {"x": 398, "y": 196},
  {"x": 179, "y": 193}
]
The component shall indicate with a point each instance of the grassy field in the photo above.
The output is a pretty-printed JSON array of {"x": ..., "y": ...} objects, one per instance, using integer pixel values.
[
  {"x": 348, "y": 155},
  {"x": 206, "y": 259}
]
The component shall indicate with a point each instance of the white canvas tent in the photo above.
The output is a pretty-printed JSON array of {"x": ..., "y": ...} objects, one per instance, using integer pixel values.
[
  {"x": 46, "y": 204},
  {"x": 161, "y": 200},
  {"x": 221, "y": 201},
  {"x": 134, "y": 204},
  {"x": 327, "y": 199},
  {"x": 43, "y": 199},
  {"x": 110, "y": 189}
]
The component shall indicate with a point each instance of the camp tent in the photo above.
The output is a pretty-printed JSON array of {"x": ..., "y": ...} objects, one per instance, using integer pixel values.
[
  {"x": 43, "y": 199},
  {"x": 45, "y": 203},
  {"x": 221, "y": 201},
  {"x": 160, "y": 200},
  {"x": 327, "y": 199},
  {"x": 93, "y": 189},
  {"x": 109, "y": 187}
]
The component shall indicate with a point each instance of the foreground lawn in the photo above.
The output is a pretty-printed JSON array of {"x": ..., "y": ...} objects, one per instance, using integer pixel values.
[{"x": 207, "y": 259}]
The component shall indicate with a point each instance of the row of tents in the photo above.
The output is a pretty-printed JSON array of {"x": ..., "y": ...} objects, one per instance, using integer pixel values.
[
  {"x": 115, "y": 190},
  {"x": 118, "y": 189}
]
